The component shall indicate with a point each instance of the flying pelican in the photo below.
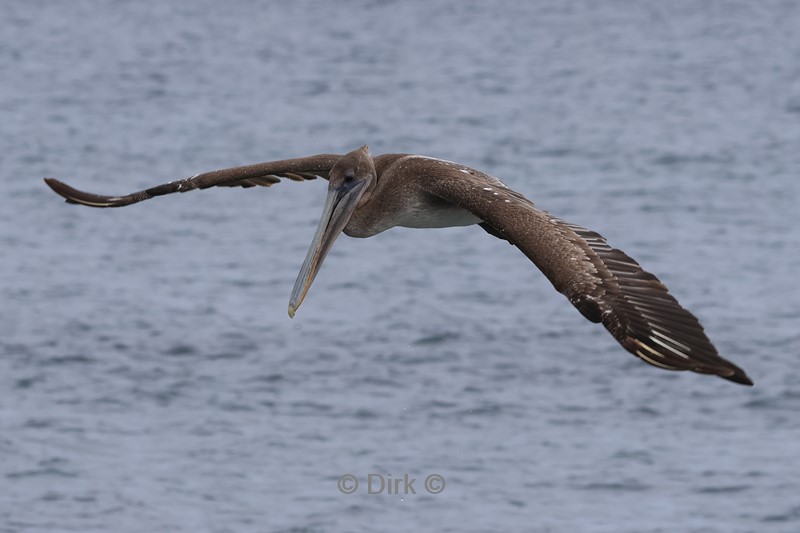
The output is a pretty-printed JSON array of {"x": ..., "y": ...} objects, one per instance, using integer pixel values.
[{"x": 368, "y": 195}]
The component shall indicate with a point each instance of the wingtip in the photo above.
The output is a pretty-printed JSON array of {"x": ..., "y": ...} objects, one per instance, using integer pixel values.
[
  {"x": 60, "y": 188},
  {"x": 729, "y": 372},
  {"x": 53, "y": 183},
  {"x": 739, "y": 377},
  {"x": 74, "y": 196}
]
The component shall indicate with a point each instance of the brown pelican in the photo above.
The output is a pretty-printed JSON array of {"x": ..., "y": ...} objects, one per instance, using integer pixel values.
[{"x": 369, "y": 195}]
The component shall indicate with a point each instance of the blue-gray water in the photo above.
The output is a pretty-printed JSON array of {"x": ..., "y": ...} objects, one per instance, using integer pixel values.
[{"x": 150, "y": 379}]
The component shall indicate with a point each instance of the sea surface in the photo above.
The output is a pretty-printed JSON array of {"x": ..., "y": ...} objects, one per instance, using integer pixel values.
[{"x": 151, "y": 380}]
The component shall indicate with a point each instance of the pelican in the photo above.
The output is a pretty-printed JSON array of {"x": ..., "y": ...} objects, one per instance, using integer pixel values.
[{"x": 368, "y": 195}]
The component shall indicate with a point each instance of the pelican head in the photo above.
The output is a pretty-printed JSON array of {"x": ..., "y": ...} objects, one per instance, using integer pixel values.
[{"x": 349, "y": 179}]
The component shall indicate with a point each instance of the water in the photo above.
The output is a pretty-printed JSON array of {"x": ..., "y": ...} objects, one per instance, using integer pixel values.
[{"x": 150, "y": 379}]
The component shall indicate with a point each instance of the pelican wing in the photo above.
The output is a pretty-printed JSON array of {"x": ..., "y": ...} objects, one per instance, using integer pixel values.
[
  {"x": 604, "y": 283},
  {"x": 264, "y": 174}
]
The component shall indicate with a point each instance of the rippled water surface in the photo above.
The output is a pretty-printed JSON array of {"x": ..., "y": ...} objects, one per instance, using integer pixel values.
[{"x": 150, "y": 379}]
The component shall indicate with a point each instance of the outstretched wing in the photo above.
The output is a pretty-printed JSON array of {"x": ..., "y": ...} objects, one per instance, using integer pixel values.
[
  {"x": 265, "y": 174},
  {"x": 604, "y": 283}
]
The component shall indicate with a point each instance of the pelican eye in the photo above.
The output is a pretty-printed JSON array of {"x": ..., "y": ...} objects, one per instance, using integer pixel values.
[{"x": 349, "y": 177}]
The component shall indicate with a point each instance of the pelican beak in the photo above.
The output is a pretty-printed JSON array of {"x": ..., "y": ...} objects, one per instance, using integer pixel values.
[{"x": 339, "y": 207}]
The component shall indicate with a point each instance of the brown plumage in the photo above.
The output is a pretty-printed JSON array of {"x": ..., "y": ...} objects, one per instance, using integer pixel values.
[
  {"x": 264, "y": 174},
  {"x": 369, "y": 195}
]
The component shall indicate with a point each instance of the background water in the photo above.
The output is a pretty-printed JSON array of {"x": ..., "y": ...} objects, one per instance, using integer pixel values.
[{"x": 150, "y": 379}]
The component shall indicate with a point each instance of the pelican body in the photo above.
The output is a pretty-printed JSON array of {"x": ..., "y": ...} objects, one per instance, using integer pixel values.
[{"x": 367, "y": 196}]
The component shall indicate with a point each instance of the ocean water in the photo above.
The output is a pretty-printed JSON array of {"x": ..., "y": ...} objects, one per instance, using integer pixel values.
[{"x": 150, "y": 379}]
